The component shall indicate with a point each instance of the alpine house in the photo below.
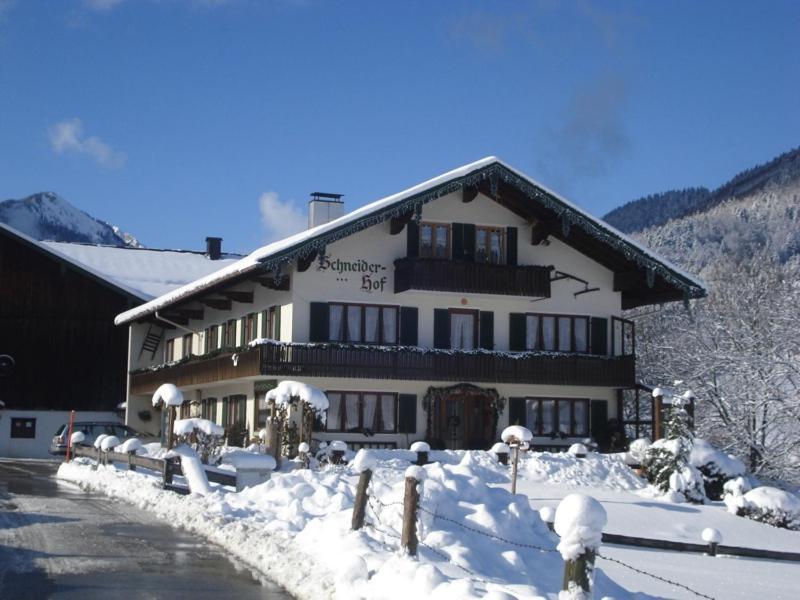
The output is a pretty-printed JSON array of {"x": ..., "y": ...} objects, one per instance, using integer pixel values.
[{"x": 444, "y": 312}]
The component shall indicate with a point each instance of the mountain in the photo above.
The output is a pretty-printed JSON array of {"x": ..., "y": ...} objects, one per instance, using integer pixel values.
[
  {"x": 47, "y": 216},
  {"x": 657, "y": 209}
]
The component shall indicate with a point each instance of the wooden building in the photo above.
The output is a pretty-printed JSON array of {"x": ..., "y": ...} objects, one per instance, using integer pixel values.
[{"x": 444, "y": 312}]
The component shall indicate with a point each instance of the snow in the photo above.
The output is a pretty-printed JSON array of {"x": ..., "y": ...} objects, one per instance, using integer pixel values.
[
  {"x": 501, "y": 448},
  {"x": 303, "y": 448},
  {"x": 187, "y": 426},
  {"x": 192, "y": 469},
  {"x": 579, "y": 522},
  {"x": 131, "y": 445},
  {"x": 637, "y": 450},
  {"x": 286, "y": 390},
  {"x": 548, "y": 514},
  {"x": 109, "y": 442},
  {"x": 364, "y": 461},
  {"x": 515, "y": 434},
  {"x": 704, "y": 453},
  {"x": 77, "y": 437},
  {"x": 420, "y": 447},
  {"x": 249, "y": 460},
  {"x": 415, "y": 472},
  {"x": 338, "y": 445},
  {"x": 737, "y": 486},
  {"x": 99, "y": 440},
  {"x": 711, "y": 535},
  {"x": 578, "y": 450},
  {"x": 767, "y": 498},
  {"x": 169, "y": 394},
  {"x": 658, "y": 392},
  {"x": 253, "y": 261}
]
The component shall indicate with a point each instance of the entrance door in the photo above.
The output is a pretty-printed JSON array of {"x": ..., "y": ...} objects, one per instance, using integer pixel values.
[{"x": 465, "y": 421}]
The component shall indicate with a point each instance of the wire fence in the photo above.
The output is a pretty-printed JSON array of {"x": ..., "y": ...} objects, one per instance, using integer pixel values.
[{"x": 377, "y": 506}]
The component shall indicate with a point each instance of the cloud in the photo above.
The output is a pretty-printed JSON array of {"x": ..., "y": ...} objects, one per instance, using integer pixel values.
[
  {"x": 67, "y": 137},
  {"x": 591, "y": 134},
  {"x": 280, "y": 218},
  {"x": 101, "y": 4}
]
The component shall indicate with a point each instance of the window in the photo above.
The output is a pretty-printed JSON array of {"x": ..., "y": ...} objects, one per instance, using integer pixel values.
[
  {"x": 363, "y": 323},
  {"x": 169, "y": 351},
  {"x": 490, "y": 245},
  {"x": 211, "y": 343},
  {"x": 562, "y": 333},
  {"x": 271, "y": 323},
  {"x": 250, "y": 327},
  {"x": 434, "y": 240},
  {"x": 23, "y": 428},
  {"x": 186, "y": 345},
  {"x": 554, "y": 416},
  {"x": 230, "y": 334},
  {"x": 359, "y": 411},
  {"x": 463, "y": 329},
  {"x": 209, "y": 409},
  {"x": 623, "y": 338}
]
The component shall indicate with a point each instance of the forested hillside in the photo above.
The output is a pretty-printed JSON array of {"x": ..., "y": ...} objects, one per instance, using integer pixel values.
[{"x": 739, "y": 349}]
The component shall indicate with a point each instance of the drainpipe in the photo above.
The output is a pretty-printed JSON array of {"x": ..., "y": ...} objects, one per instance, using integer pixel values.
[{"x": 160, "y": 318}]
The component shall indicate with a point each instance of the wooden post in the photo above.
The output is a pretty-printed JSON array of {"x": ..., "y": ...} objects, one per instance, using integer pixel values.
[
  {"x": 408, "y": 539},
  {"x": 712, "y": 548},
  {"x": 422, "y": 459},
  {"x": 360, "y": 506},
  {"x": 131, "y": 466},
  {"x": 69, "y": 433},
  {"x": 579, "y": 572},
  {"x": 169, "y": 469},
  {"x": 514, "y": 469},
  {"x": 170, "y": 427},
  {"x": 657, "y": 426}
]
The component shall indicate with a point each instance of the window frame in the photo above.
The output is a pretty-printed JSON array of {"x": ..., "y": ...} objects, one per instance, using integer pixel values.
[
  {"x": 186, "y": 345},
  {"x": 557, "y": 402},
  {"x": 169, "y": 350},
  {"x": 378, "y": 411},
  {"x": 448, "y": 227},
  {"x": 211, "y": 342},
  {"x": 476, "y": 316},
  {"x": 363, "y": 318},
  {"x": 229, "y": 333},
  {"x": 489, "y": 229},
  {"x": 557, "y": 335},
  {"x": 269, "y": 322},
  {"x": 251, "y": 326}
]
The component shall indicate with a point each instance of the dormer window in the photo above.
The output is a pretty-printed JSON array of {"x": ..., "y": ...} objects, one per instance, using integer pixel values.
[
  {"x": 490, "y": 245},
  {"x": 434, "y": 240}
]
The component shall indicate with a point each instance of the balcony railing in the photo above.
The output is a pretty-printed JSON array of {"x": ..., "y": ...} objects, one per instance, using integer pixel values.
[
  {"x": 469, "y": 277},
  {"x": 363, "y": 362}
]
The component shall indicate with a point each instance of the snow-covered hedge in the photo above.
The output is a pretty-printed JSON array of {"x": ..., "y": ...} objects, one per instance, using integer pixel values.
[
  {"x": 716, "y": 467},
  {"x": 766, "y": 504}
]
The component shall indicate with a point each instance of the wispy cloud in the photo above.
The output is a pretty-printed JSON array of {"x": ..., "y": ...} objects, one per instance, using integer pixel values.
[
  {"x": 280, "y": 218},
  {"x": 592, "y": 133},
  {"x": 68, "y": 137}
]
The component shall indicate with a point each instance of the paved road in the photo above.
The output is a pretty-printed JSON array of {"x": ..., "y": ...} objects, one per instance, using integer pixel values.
[{"x": 59, "y": 542}]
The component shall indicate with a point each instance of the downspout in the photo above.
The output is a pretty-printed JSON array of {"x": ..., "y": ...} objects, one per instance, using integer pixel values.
[{"x": 160, "y": 318}]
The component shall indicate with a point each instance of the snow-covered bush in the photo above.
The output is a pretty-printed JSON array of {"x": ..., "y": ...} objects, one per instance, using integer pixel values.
[
  {"x": 667, "y": 461},
  {"x": 202, "y": 435},
  {"x": 766, "y": 504},
  {"x": 716, "y": 467}
]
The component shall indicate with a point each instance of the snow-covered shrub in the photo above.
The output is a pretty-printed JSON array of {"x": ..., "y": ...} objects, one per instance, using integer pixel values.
[
  {"x": 766, "y": 504},
  {"x": 202, "y": 435},
  {"x": 667, "y": 461},
  {"x": 716, "y": 467},
  {"x": 637, "y": 451}
]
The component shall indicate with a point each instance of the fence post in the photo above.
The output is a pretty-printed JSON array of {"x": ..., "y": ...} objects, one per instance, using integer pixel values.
[
  {"x": 579, "y": 521},
  {"x": 362, "y": 496},
  {"x": 168, "y": 471},
  {"x": 131, "y": 466},
  {"x": 408, "y": 539},
  {"x": 578, "y": 573},
  {"x": 514, "y": 468}
]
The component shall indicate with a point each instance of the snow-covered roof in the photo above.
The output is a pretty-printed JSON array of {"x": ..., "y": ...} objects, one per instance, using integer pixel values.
[
  {"x": 148, "y": 273},
  {"x": 281, "y": 252},
  {"x": 139, "y": 272}
]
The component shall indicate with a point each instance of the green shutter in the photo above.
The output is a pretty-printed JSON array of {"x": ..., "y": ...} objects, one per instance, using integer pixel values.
[
  {"x": 599, "y": 327},
  {"x": 409, "y": 326},
  {"x": 407, "y": 413},
  {"x": 517, "y": 332},
  {"x": 511, "y": 246},
  {"x": 458, "y": 241},
  {"x": 441, "y": 328},
  {"x": 412, "y": 239},
  {"x": 278, "y": 322},
  {"x": 319, "y": 328},
  {"x": 486, "y": 322},
  {"x": 469, "y": 242},
  {"x": 516, "y": 412}
]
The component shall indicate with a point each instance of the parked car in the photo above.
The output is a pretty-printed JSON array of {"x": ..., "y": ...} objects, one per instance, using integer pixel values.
[{"x": 92, "y": 429}]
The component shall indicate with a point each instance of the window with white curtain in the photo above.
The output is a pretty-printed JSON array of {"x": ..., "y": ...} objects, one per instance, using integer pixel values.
[
  {"x": 567, "y": 416},
  {"x": 564, "y": 333},
  {"x": 363, "y": 323},
  {"x": 462, "y": 330},
  {"x": 373, "y": 411}
]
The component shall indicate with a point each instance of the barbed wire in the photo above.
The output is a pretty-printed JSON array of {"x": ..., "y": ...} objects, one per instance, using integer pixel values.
[{"x": 659, "y": 578}]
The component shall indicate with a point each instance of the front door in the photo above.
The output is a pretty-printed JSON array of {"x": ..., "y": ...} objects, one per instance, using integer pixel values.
[{"x": 465, "y": 421}]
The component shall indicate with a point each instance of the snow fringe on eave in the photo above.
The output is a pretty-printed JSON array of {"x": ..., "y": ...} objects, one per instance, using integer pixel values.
[{"x": 252, "y": 261}]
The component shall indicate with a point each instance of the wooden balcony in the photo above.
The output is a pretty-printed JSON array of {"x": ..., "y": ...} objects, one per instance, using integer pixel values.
[
  {"x": 470, "y": 278},
  {"x": 360, "y": 362}
]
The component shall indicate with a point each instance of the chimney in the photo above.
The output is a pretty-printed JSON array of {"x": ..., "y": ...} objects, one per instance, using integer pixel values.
[
  {"x": 213, "y": 248},
  {"x": 324, "y": 208}
]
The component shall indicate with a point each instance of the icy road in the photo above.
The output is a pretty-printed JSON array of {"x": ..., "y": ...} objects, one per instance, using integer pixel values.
[{"x": 59, "y": 542}]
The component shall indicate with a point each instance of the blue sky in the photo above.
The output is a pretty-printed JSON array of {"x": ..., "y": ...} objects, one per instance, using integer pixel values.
[{"x": 177, "y": 119}]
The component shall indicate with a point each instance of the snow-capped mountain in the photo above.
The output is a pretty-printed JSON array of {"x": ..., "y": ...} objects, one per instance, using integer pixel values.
[{"x": 47, "y": 216}]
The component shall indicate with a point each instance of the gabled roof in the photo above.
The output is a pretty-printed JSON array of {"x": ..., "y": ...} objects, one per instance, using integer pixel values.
[
  {"x": 496, "y": 179},
  {"x": 137, "y": 273}
]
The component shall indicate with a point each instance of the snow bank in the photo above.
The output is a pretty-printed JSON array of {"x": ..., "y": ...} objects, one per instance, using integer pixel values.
[
  {"x": 286, "y": 390},
  {"x": 187, "y": 426},
  {"x": 249, "y": 460},
  {"x": 516, "y": 434},
  {"x": 579, "y": 521},
  {"x": 607, "y": 471},
  {"x": 169, "y": 394}
]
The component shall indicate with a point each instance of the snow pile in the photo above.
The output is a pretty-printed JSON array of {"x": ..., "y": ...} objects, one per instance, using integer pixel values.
[
  {"x": 192, "y": 469},
  {"x": 109, "y": 442},
  {"x": 637, "y": 451},
  {"x": 130, "y": 445},
  {"x": 240, "y": 459},
  {"x": 766, "y": 504},
  {"x": 420, "y": 447},
  {"x": 363, "y": 461},
  {"x": 578, "y": 450},
  {"x": 286, "y": 390},
  {"x": 607, "y": 471},
  {"x": 711, "y": 536},
  {"x": 579, "y": 522},
  {"x": 501, "y": 448},
  {"x": 187, "y": 426},
  {"x": 99, "y": 440},
  {"x": 704, "y": 454},
  {"x": 169, "y": 394},
  {"x": 77, "y": 437},
  {"x": 516, "y": 434}
]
